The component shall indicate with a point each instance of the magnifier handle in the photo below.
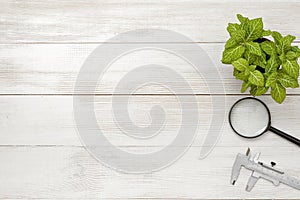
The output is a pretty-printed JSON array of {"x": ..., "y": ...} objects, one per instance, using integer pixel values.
[{"x": 285, "y": 135}]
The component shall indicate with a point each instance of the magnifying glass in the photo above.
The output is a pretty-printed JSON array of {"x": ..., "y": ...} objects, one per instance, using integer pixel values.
[{"x": 250, "y": 118}]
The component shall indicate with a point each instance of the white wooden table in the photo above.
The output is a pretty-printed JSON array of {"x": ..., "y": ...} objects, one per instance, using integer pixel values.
[{"x": 42, "y": 47}]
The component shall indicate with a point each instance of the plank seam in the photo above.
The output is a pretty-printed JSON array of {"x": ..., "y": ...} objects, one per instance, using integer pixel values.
[
  {"x": 143, "y": 94},
  {"x": 82, "y": 43}
]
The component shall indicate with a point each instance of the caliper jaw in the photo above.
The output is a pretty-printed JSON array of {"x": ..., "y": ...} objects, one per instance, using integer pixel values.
[
  {"x": 261, "y": 170},
  {"x": 254, "y": 178}
]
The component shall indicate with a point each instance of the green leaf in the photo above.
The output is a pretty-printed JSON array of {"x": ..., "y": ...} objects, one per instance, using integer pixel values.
[
  {"x": 260, "y": 61},
  {"x": 250, "y": 57},
  {"x": 277, "y": 37},
  {"x": 263, "y": 58},
  {"x": 257, "y": 91},
  {"x": 287, "y": 42},
  {"x": 232, "y": 28},
  {"x": 232, "y": 54},
  {"x": 266, "y": 33},
  {"x": 279, "y": 49},
  {"x": 255, "y": 29},
  {"x": 288, "y": 81},
  {"x": 272, "y": 64},
  {"x": 282, "y": 57},
  {"x": 272, "y": 79},
  {"x": 245, "y": 86},
  {"x": 253, "y": 47},
  {"x": 239, "y": 35},
  {"x": 235, "y": 72},
  {"x": 278, "y": 93},
  {"x": 247, "y": 72},
  {"x": 244, "y": 21},
  {"x": 230, "y": 43},
  {"x": 252, "y": 67},
  {"x": 242, "y": 76},
  {"x": 291, "y": 55},
  {"x": 253, "y": 90},
  {"x": 274, "y": 61},
  {"x": 291, "y": 67},
  {"x": 256, "y": 78},
  {"x": 295, "y": 49},
  {"x": 268, "y": 47},
  {"x": 241, "y": 18},
  {"x": 241, "y": 64}
]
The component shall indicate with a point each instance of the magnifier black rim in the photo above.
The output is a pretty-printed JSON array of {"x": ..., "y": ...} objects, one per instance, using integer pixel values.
[{"x": 246, "y": 98}]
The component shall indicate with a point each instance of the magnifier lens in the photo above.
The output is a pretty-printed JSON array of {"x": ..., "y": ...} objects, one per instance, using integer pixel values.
[{"x": 249, "y": 117}]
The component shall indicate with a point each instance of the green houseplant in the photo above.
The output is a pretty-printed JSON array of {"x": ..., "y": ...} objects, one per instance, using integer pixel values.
[{"x": 262, "y": 59}]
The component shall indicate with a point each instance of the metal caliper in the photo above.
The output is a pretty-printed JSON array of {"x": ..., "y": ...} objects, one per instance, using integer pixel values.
[{"x": 261, "y": 170}]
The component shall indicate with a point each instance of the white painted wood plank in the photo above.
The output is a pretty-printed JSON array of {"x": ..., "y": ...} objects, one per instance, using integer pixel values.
[
  {"x": 70, "y": 172},
  {"x": 53, "y": 68},
  {"x": 48, "y": 120},
  {"x": 97, "y": 21}
]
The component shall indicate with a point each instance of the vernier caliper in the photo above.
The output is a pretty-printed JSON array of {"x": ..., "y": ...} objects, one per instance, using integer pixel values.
[{"x": 261, "y": 170}]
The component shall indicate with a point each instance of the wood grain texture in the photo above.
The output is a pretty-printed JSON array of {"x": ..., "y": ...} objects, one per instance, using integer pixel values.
[
  {"x": 43, "y": 45},
  {"x": 97, "y": 21},
  {"x": 70, "y": 172},
  {"x": 53, "y": 69},
  {"x": 49, "y": 120}
]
